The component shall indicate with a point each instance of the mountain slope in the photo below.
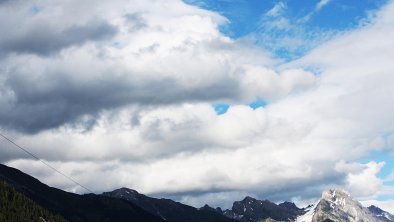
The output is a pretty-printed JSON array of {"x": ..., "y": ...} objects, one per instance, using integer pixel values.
[
  {"x": 336, "y": 205},
  {"x": 251, "y": 210},
  {"x": 74, "y": 207},
  {"x": 381, "y": 214},
  {"x": 15, "y": 206},
  {"x": 19, "y": 191},
  {"x": 168, "y": 209}
]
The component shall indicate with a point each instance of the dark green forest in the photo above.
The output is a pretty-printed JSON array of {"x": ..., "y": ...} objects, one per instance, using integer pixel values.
[{"x": 15, "y": 206}]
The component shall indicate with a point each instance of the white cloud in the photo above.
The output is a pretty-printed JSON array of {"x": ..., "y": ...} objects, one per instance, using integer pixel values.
[
  {"x": 321, "y": 4},
  {"x": 174, "y": 56},
  {"x": 278, "y": 9},
  {"x": 308, "y": 138},
  {"x": 288, "y": 34},
  {"x": 366, "y": 183}
]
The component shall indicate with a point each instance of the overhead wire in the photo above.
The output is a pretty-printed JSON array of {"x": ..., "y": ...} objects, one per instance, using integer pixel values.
[{"x": 45, "y": 163}]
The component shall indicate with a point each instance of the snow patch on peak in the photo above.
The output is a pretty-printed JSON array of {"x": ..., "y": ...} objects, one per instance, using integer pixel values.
[{"x": 310, "y": 211}]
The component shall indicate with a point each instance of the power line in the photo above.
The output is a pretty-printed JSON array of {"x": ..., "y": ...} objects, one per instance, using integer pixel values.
[{"x": 45, "y": 163}]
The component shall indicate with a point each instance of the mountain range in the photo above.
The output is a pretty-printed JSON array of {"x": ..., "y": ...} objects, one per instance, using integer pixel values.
[{"x": 125, "y": 204}]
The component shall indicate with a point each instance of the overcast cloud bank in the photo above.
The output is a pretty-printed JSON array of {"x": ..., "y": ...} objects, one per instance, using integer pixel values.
[{"x": 123, "y": 91}]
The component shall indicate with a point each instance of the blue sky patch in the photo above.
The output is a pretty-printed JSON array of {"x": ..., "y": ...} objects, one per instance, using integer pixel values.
[
  {"x": 221, "y": 108},
  {"x": 379, "y": 156},
  {"x": 258, "y": 103},
  {"x": 289, "y": 28},
  {"x": 35, "y": 9}
]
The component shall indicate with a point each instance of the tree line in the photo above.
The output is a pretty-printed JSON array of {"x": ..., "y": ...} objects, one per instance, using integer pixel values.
[{"x": 14, "y": 206}]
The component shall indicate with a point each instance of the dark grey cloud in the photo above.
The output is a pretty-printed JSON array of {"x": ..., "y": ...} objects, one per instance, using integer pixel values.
[
  {"x": 61, "y": 92},
  {"x": 6, "y": 1},
  {"x": 135, "y": 21},
  {"x": 54, "y": 99},
  {"x": 307, "y": 189},
  {"x": 45, "y": 40},
  {"x": 10, "y": 152}
]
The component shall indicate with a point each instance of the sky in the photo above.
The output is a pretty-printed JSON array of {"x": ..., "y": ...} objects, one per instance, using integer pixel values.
[{"x": 202, "y": 101}]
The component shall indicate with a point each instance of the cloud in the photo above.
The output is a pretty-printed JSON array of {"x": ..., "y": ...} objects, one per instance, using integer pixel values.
[
  {"x": 44, "y": 40},
  {"x": 290, "y": 35},
  {"x": 318, "y": 7},
  {"x": 137, "y": 108},
  {"x": 276, "y": 10},
  {"x": 133, "y": 55},
  {"x": 321, "y": 4},
  {"x": 366, "y": 182},
  {"x": 136, "y": 21}
]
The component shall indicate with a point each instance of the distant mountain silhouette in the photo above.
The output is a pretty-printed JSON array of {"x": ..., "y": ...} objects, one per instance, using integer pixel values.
[
  {"x": 125, "y": 204},
  {"x": 168, "y": 209},
  {"x": 74, "y": 207},
  {"x": 252, "y": 210}
]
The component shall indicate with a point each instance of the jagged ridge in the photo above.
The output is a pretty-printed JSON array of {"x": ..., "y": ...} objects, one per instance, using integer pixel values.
[
  {"x": 338, "y": 206},
  {"x": 167, "y": 209},
  {"x": 128, "y": 205}
]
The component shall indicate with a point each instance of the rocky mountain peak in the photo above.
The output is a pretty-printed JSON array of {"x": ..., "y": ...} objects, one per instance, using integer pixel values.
[
  {"x": 252, "y": 210},
  {"x": 334, "y": 194},
  {"x": 381, "y": 214},
  {"x": 127, "y": 190},
  {"x": 248, "y": 200},
  {"x": 289, "y": 206},
  {"x": 375, "y": 209},
  {"x": 338, "y": 205},
  {"x": 209, "y": 208},
  {"x": 125, "y": 193}
]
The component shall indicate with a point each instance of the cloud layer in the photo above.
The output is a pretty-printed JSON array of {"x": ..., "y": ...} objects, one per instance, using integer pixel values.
[
  {"x": 123, "y": 91},
  {"x": 62, "y": 64}
]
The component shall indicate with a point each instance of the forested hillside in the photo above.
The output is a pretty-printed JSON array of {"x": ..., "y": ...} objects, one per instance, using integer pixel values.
[{"x": 14, "y": 206}]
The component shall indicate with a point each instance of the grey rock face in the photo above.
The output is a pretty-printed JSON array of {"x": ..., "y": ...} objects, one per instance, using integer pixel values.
[
  {"x": 252, "y": 210},
  {"x": 381, "y": 214},
  {"x": 338, "y": 206}
]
